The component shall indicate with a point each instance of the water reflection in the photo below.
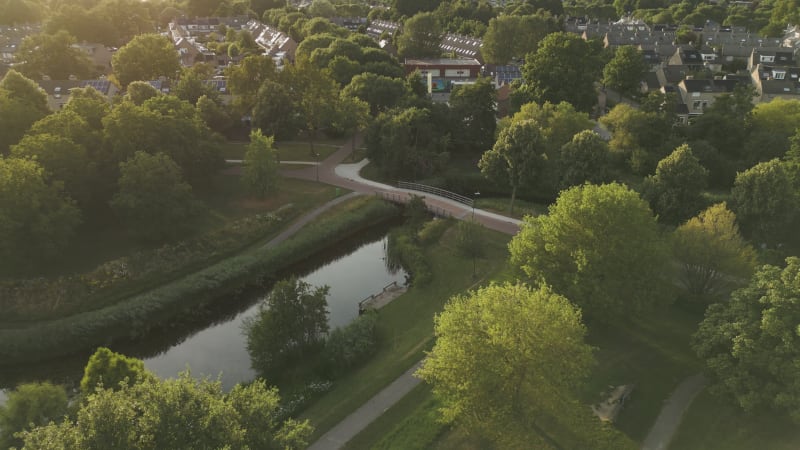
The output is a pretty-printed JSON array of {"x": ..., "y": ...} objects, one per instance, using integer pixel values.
[{"x": 210, "y": 340}]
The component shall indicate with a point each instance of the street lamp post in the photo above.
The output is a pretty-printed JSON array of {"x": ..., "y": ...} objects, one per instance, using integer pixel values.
[
  {"x": 474, "y": 199},
  {"x": 316, "y": 160}
]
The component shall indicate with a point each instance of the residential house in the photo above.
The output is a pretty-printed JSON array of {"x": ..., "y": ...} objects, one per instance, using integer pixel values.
[
  {"x": 698, "y": 95},
  {"x": 273, "y": 41},
  {"x": 771, "y": 56},
  {"x": 773, "y": 81},
  {"x": 351, "y": 23},
  {"x": 99, "y": 54},
  {"x": 689, "y": 57},
  {"x": 442, "y": 73},
  {"x": 58, "y": 91},
  {"x": 462, "y": 46},
  {"x": 376, "y": 28}
]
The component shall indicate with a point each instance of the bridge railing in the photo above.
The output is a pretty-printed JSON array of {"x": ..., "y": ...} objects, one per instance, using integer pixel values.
[
  {"x": 402, "y": 198},
  {"x": 436, "y": 191}
]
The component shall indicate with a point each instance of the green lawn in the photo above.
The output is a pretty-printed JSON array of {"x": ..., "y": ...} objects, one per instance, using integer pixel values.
[
  {"x": 406, "y": 328},
  {"x": 226, "y": 200},
  {"x": 716, "y": 423},
  {"x": 287, "y": 150},
  {"x": 521, "y": 207},
  {"x": 411, "y": 424},
  {"x": 652, "y": 353}
]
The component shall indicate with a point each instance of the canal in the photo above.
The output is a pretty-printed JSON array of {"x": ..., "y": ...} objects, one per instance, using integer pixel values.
[{"x": 211, "y": 342}]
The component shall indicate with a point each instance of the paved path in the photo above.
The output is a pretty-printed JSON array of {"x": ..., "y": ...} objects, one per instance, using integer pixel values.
[
  {"x": 308, "y": 217},
  {"x": 672, "y": 412},
  {"x": 353, "y": 424},
  {"x": 331, "y": 171}
]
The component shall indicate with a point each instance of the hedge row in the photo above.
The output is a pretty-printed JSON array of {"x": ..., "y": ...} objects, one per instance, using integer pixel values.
[{"x": 137, "y": 315}]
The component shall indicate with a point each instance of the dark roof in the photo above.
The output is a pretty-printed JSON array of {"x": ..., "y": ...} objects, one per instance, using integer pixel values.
[
  {"x": 218, "y": 85},
  {"x": 780, "y": 87},
  {"x": 717, "y": 86},
  {"x": 506, "y": 74},
  {"x": 62, "y": 87}
]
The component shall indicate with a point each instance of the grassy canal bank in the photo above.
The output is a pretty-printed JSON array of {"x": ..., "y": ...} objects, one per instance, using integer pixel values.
[{"x": 138, "y": 314}]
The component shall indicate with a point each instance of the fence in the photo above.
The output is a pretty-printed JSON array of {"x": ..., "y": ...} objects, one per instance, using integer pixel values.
[
  {"x": 436, "y": 191},
  {"x": 402, "y": 198},
  {"x": 364, "y": 304}
]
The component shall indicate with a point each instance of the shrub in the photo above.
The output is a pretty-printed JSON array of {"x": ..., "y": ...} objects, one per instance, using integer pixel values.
[{"x": 347, "y": 347}]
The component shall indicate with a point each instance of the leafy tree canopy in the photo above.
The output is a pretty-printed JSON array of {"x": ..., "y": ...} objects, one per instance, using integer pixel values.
[
  {"x": 498, "y": 365},
  {"x": 675, "y": 191},
  {"x": 564, "y": 68},
  {"x": 601, "y": 247},
  {"x": 146, "y": 57},
  {"x": 713, "y": 254},
  {"x": 750, "y": 344},
  {"x": 180, "y": 414}
]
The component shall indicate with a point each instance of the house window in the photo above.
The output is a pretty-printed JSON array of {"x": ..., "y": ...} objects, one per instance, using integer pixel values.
[
  {"x": 779, "y": 75},
  {"x": 696, "y": 105},
  {"x": 695, "y": 94},
  {"x": 705, "y": 105},
  {"x": 767, "y": 58}
]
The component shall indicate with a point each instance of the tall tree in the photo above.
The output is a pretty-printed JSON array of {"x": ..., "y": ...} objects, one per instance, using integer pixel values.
[
  {"x": 153, "y": 200},
  {"x": 601, "y": 247},
  {"x": 33, "y": 404},
  {"x": 750, "y": 344},
  {"x": 420, "y": 37},
  {"x": 473, "y": 111},
  {"x": 585, "y": 159},
  {"x": 275, "y": 111},
  {"x": 53, "y": 55},
  {"x": 146, "y": 57},
  {"x": 317, "y": 97},
  {"x": 90, "y": 104},
  {"x": 516, "y": 157},
  {"x": 498, "y": 365},
  {"x": 639, "y": 137},
  {"x": 675, "y": 191},
  {"x": 380, "y": 92},
  {"x": 62, "y": 160},
  {"x": 260, "y": 175},
  {"x": 407, "y": 143},
  {"x": 164, "y": 124},
  {"x": 352, "y": 116},
  {"x": 511, "y": 36},
  {"x": 625, "y": 72},
  {"x": 712, "y": 252},
  {"x": 470, "y": 241},
  {"x": 291, "y": 322},
  {"x": 564, "y": 68},
  {"x": 36, "y": 219},
  {"x": 180, "y": 414},
  {"x": 765, "y": 200},
  {"x": 246, "y": 78},
  {"x": 22, "y": 103},
  {"x": 412, "y": 7}
]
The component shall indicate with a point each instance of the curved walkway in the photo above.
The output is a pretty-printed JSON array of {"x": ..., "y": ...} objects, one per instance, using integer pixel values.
[
  {"x": 332, "y": 171},
  {"x": 672, "y": 412}
]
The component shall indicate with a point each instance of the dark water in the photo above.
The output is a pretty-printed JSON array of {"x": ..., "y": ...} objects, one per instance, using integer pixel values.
[{"x": 210, "y": 341}]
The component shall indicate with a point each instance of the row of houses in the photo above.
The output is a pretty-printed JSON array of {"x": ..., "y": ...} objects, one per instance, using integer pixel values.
[
  {"x": 190, "y": 36},
  {"x": 456, "y": 45},
  {"x": 59, "y": 91}
]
